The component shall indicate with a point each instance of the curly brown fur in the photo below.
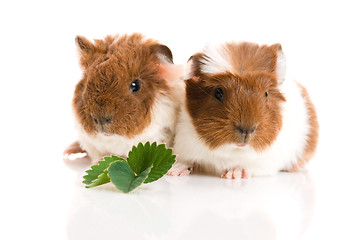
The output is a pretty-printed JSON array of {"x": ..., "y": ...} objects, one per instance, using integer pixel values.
[{"x": 103, "y": 95}]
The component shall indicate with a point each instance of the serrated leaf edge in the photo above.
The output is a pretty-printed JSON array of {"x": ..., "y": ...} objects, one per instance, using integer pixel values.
[{"x": 92, "y": 168}]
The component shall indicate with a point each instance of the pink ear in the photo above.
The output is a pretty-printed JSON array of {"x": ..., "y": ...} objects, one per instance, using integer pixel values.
[
  {"x": 195, "y": 78},
  {"x": 190, "y": 72},
  {"x": 171, "y": 72}
]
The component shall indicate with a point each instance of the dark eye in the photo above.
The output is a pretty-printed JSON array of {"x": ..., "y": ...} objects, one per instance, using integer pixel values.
[
  {"x": 266, "y": 95},
  {"x": 135, "y": 86},
  {"x": 218, "y": 94}
]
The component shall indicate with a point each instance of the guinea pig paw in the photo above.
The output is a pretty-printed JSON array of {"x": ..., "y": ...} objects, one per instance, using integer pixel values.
[
  {"x": 73, "y": 149},
  {"x": 180, "y": 169},
  {"x": 235, "y": 173},
  {"x": 73, "y": 152}
]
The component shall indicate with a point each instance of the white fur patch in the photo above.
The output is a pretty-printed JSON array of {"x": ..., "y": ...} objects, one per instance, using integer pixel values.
[
  {"x": 282, "y": 154},
  {"x": 281, "y": 66},
  {"x": 217, "y": 60},
  {"x": 163, "y": 58},
  {"x": 188, "y": 70}
]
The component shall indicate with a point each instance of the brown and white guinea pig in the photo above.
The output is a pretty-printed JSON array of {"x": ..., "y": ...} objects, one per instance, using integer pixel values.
[
  {"x": 240, "y": 117},
  {"x": 128, "y": 94}
]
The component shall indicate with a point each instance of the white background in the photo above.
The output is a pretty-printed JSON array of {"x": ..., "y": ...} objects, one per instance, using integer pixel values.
[{"x": 43, "y": 198}]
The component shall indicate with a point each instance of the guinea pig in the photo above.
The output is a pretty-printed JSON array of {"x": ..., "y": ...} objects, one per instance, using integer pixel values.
[
  {"x": 128, "y": 94},
  {"x": 240, "y": 118}
]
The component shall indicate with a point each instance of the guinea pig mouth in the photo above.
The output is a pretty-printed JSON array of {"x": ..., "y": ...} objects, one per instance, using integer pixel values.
[
  {"x": 104, "y": 133},
  {"x": 102, "y": 130},
  {"x": 241, "y": 144}
]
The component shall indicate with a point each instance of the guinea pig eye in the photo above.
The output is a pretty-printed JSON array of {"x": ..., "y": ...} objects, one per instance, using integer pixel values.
[
  {"x": 218, "y": 94},
  {"x": 135, "y": 86},
  {"x": 266, "y": 95}
]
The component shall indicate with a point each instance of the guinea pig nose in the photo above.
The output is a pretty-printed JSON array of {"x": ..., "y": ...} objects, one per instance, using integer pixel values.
[
  {"x": 245, "y": 130},
  {"x": 96, "y": 121},
  {"x": 252, "y": 130},
  {"x": 102, "y": 120},
  {"x": 107, "y": 120},
  {"x": 240, "y": 129}
]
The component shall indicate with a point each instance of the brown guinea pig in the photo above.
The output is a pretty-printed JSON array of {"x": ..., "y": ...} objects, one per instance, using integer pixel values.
[
  {"x": 240, "y": 117},
  {"x": 128, "y": 94}
]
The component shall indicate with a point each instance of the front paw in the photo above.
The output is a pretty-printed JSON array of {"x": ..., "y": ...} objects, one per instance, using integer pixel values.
[
  {"x": 235, "y": 173},
  {"x": 74, "y": 152},
  {"x": 73, "y": 148},
  {"x": 180, "y": 169}
]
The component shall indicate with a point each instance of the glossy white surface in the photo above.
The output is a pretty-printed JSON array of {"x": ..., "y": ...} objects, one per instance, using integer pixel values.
[
  {"x": 43, "y": 197},
  {"x": 197, "y": 207}
]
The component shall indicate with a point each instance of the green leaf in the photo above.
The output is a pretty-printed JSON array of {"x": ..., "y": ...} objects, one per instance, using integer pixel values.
[
  {"x": 145, "y": 163},
  {"x": 124, "y": 178},
  {"x": 139, "y": 159},
  {"x": 163, "y": 161},
  {"x": 101, "y": 179},
  {"x": 144, "y": 156},
  {"x": 98, "y": 174}
]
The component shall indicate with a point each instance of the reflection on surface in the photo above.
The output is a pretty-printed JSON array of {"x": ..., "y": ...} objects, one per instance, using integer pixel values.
[{"x": 196, "y": 207}]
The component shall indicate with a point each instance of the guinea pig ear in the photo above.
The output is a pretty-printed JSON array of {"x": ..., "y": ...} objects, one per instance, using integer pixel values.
[
  {"x": 281, "y": 62},
  {"x": 86, "y": 50},
  {"x": 193, "y": 67},
  {"x": 163, "y": 53},
  {"x": 167, "y": 69}
]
